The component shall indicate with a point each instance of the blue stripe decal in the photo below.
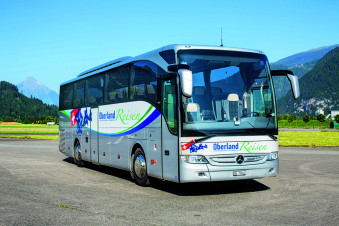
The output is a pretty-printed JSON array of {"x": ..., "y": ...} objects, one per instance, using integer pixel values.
[{"x": 155, "y": 114}]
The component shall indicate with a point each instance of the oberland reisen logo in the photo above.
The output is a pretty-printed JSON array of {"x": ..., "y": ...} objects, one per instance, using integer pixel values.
[{"x": 239, "y": 159}]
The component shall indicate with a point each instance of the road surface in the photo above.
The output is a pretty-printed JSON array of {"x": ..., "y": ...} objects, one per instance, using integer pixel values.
[{"x": 40, "y": 186}]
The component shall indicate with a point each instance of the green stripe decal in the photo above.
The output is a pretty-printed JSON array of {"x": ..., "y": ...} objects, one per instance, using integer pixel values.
[
  {"x": 66, "y": 113},
  {"x": 149, "y": 109}
]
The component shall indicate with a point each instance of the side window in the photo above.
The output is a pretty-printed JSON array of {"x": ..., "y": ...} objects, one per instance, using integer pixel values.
[
  {"x": 94, "y": 91},
  {"x": 116, "y": 87},
  {"x": 168, "y": 56},
  {"x": 79, "y": 94},
  {"x": 66, "y": 97},
  {"x": 170, "y": 108},
  {"x": 143, "y": 81}
]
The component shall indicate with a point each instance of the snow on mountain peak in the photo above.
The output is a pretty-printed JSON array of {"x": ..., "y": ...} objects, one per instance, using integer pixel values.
[{"x": 31, "y": 87}]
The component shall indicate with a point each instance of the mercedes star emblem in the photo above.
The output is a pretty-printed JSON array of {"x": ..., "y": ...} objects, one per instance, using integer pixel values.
[{"x": 239, "y": 159}]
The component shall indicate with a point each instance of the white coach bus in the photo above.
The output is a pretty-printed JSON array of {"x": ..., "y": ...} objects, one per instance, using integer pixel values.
[{"x": 180, "y": 113}]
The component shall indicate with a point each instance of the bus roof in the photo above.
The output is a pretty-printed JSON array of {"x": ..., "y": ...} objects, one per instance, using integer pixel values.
[
  {"x": 177, "y": 47},
  {"x": 155, "y": 56}
]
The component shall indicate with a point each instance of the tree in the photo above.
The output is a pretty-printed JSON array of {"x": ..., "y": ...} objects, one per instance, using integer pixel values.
[
  {"x": 33, "y": 119},
  {"x": 336, "y": 118},
  {"x": 290, "y": 119},
  {"x": 285, "y": 116},
  {"x": 8, "y": 119},
  {"x": 321, "y": 118},
  {"x": 280, "y": 117},
  {"x": 47, "y": 119},
  {"x": 306, "y": 119},
  {"x": 56, "y": 119}
]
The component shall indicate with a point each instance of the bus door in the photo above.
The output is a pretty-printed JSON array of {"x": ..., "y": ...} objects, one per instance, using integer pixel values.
[
  {"x": 94, "y": 136},
  {"x": 170, "y": 130}
]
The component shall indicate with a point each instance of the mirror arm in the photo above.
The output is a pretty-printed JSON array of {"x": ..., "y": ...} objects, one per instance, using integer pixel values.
[
  {"x": 294, "y": 81},
  {"x": 281, "y": 72},
  {"x": 177, "y": 67}
]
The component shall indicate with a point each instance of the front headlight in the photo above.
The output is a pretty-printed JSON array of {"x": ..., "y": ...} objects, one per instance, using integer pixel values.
[
  {"x": 273, "y": 156},
  {"x": 194, "y": 159}
]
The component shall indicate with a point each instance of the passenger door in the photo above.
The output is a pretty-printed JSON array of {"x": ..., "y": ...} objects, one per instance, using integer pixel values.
[
  {"x": 94, "y": 136},
  {"x": 170, "y": 130}
]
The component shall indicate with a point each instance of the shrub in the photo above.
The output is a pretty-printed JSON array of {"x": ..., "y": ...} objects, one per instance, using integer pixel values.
[
  {"x": 321, "y": 118},
  {"x": 8, "y": 119}
]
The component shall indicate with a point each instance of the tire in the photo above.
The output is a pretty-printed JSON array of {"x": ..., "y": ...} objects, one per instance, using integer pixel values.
[
  {"x": 140, "y": 168},
  {"x": 77, "y": 155}
]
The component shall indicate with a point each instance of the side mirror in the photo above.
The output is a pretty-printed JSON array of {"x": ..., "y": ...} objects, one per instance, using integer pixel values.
[
  {"x": 186, "y": 82},
  {"x": 294, "y": 81}
]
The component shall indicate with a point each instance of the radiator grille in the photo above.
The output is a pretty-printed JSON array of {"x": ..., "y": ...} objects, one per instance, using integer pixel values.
[{"x": 230, "y": 160}]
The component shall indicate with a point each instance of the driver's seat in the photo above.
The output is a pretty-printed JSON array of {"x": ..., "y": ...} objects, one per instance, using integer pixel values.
[{"x": 233, "y": 106}]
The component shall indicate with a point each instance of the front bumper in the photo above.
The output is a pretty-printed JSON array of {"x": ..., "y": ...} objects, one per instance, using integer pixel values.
[{"x": 207, "y": 172}]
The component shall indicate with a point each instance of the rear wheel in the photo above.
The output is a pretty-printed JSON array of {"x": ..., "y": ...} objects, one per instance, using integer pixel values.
[
  {"x": 77, "y": 154},
  {"x": 140, "y": 168}
]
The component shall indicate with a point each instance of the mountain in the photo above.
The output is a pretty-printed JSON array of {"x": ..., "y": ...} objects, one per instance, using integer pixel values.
[
  {"x": 33, "y": 88},
  {"x": 299, "y": 64},
  {"x": 281, "y": 84},
  {"x": 17, "y": 105},
  {"x": 318, "y": 88},
  {"x": 303, "y": 57}
]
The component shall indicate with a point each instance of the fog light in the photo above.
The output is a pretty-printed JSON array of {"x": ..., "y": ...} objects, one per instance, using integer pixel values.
[
  {"x": 273, "y": 156},
  {"x": 201, "y": 174},
  {"x": 271, "y": 170}
]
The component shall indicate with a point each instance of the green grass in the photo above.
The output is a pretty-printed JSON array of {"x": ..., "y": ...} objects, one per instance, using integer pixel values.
[
  {"x": 38, "y": 137},
  {"x": 301, "y": 124},
  {"x": 286, "y": 138},
  {"x": 308, "y": 139},
  {"x": 29, "y": 129},
  {"x": 66, "y": 207}
]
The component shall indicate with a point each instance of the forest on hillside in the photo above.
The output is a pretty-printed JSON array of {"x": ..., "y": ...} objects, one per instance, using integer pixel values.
[
  {"x": 17, "y": 106},
  {"x": 318, "y": 88}
]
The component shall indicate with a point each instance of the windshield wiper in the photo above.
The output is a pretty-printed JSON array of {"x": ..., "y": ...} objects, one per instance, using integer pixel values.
[
  {"x": 264, "y": 132},
  {"x": 204, "y": 138},
  {"x": 268, "y": 134}
]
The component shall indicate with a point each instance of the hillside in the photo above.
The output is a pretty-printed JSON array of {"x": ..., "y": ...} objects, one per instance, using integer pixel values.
[
  {"x": 307, "y": 56},
  {"x": 281, "y": 84},
  {"x": 17, "y": 105},
  {"x": 319, "y": 88},
  {"x": 33, "y": 88}
]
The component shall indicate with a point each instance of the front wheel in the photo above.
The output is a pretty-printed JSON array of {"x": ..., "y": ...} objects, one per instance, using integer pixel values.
[
  {"x": 77, "y": 154},
  {"x": 140, "y": 168}
]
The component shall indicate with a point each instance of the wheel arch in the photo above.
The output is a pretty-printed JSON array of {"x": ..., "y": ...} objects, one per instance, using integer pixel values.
[{"x": 136, "y": 144}]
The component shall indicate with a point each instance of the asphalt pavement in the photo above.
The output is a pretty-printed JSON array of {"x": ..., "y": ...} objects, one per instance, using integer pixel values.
[{"x": 40, "y": 186}]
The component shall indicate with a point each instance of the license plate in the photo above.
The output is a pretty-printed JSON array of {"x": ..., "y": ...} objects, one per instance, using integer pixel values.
[{"x": 239, "y": 173}]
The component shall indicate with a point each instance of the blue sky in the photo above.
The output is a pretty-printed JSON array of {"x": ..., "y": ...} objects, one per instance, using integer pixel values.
[{"x": 54, "y": 41}]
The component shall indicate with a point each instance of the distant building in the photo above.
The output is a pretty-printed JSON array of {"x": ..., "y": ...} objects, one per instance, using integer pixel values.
[
  {"x": 334, "y": 113},
  {"x": 319, "y": 111}
]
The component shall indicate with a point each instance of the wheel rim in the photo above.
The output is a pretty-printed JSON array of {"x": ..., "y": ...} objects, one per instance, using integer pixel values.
[{"x": 140, "y": 166}]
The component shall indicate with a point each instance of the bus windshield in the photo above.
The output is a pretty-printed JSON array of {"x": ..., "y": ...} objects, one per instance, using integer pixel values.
[{"x": 232, "y": 92}]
